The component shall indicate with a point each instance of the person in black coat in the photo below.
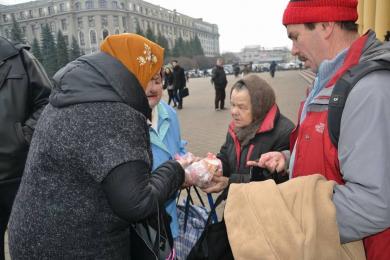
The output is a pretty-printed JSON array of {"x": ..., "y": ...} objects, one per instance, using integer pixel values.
[
  {"x": 257, "y": 127},
  {"x": 179, "y": 81},
  {"x": 24, "y": 92},
  {"x": 218, "y": 78},
  {"x": 168, "y": 85}
]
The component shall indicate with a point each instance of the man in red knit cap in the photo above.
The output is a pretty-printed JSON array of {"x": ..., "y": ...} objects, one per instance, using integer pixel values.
[{"x": 325, "y": 38}]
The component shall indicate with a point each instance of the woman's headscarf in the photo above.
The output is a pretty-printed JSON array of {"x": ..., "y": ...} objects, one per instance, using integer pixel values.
[
  {"x": 139, "y": 55},
  {"x": 262, "y": 98}
]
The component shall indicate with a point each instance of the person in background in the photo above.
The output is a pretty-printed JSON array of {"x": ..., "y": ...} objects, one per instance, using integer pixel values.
[
  {"x": 325, "y": 37},
  {"x": 88, "y": 173},
  {"x": 165, "y": 139},
  {"x": 24, "y": 92},
  {"x": 272, "y": 68},
  {"x": 218, "y": 78},
  {"x": 168, "y": 85},
  {"x": 179, "y": 81},
  {"x": 257, "y": 127}
]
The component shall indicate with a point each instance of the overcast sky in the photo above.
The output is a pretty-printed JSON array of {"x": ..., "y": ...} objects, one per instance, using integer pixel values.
[{"x": 240, "y": 22}]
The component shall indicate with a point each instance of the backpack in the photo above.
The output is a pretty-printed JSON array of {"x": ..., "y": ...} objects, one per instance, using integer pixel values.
[{"x": 342, "y": 89}]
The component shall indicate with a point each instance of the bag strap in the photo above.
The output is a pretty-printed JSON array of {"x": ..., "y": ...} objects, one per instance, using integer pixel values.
[
  {"x": 221, "y": 197},
  {"x": 341, "y": 91},
  {"x": 187, "y": 205}
]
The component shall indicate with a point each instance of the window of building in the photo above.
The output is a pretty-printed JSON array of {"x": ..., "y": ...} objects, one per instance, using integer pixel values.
[
  {"x": 77, "y": 6},
  {"x": 5, "y": 18},
  {"x": 64, "y": 24},
  {"x": 91, "y": 21},
  {"x": 117, "y": 31},
  {"x": 34, "y": 29},
  {"x": 53, "y": 27},
  {"x": 92, "y": 36},
  {"x": 50, "y": 10},
  {"x": 22, "y": 15},
  {"x": 6, "y": 33},
  {"x": 124, "y": 21},
  {"x": 105, "y": 33},
  {"x": 41, "y": 12},
  {"x": 89, "y": 4},
  {"x": 81, "y": 38},
  {"x": 116, "y": 20},
  {"x": 23, "y": 29},
  {"x": 103, "y": 3},
  {"x": 66, "y": 38},
  {"x": 80, "y": 23},
  {"x": 122, "y": 5},
  {"x": 104, "y": 20},
  {"x": 30, "y": 13},
  {"x": 62, "y": 7},
  {"x": 114, "y": 4}
]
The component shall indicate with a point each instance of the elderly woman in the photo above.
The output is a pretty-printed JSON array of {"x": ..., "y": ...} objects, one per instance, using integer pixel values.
[
  {"x": 87, "y": 175},
  {"x": 257, "y": 127}
]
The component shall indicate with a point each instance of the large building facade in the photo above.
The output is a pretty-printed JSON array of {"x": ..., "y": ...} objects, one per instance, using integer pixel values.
[
  {"x": 90, "y": 21},
  {"x": 257, "y": 54}
]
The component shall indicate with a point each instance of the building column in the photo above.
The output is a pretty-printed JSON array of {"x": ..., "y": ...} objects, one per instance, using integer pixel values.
[
  {"x": 360, "y": 20},
  {"x": 382, "y": 18},
  {"x": 369, "y": 15}
]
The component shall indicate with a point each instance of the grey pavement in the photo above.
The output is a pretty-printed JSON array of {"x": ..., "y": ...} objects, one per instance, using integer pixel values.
[{"x": 205, "y": 129}]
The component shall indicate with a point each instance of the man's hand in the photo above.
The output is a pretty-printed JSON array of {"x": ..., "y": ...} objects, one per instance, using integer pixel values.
[
  {"x": 219, "y": 183},
  {"x": 272, "y": 161}
]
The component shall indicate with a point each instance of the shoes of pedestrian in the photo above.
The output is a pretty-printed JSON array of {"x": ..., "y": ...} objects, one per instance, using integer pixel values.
[
  {"x": 174, "y": 105},
  {"x": 223, "y": 108},
  {"x": 217, "y": 109},
  {"x": 180, "y": 107}
]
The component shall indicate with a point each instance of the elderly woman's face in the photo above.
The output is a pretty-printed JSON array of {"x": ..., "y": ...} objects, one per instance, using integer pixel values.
[
  {"x": 154, "y": 90},
  {"x": 241, "y": 108}
]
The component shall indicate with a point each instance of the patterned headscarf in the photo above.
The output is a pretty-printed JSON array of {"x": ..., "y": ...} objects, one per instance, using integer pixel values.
[{"x": 139, "y": 55}]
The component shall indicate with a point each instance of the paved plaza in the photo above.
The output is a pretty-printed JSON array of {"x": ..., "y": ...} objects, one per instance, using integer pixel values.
[{"x": 205, "y": 129}]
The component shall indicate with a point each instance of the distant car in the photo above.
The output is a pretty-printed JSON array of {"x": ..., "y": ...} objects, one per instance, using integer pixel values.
[{"x": 228, "y": 68}]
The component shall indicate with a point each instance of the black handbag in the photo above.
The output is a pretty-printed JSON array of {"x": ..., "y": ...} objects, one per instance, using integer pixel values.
[
  {"x": 213, "y": 244},
  {"x": 184, "y": 92},
  {"x": 149, "y": 239}
]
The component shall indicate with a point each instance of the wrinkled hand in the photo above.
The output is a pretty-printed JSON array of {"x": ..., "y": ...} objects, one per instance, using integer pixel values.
[
  {"x": 219, "y": 183},
  {"x": 272, "y": 161}
]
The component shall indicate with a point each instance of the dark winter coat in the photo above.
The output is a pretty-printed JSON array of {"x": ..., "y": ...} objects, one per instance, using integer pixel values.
[
  {"x": 273, "y": 135},
  {"x": 24, "y": 92},
  {"x": 179, "y": 77},
  {"x": 95, "y": 125},
  {"x": 218, "y": 77}
]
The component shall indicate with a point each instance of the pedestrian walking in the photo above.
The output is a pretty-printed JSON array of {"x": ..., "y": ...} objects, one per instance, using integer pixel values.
[{"x": 218, "y": 79}]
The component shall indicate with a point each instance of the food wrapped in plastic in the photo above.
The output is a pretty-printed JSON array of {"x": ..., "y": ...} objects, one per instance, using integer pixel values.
[{"x": 200, "y": 173}]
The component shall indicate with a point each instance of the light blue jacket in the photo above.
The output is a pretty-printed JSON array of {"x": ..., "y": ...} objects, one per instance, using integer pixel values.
[{"x": 166, "y": 142}]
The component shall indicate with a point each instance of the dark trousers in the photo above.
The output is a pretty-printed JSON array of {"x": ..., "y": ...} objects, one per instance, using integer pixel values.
[
  {"x": 220, "y": 98},
  {"x": 172, "y": 96},
  {"x": 8, "y": 192},
  {"x": 180, "y": 98}
]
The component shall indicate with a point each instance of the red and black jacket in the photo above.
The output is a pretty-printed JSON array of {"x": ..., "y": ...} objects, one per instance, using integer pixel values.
[{"x": 273, "y": 135}]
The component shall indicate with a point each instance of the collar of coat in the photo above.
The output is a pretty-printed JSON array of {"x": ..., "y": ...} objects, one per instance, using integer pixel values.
[{"x": 268, "y": 123}]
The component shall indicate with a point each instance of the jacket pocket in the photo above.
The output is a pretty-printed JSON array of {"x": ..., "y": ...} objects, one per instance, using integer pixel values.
[
  {"x": 4, "y": 70},
  {"x": 20, "y": 134}
]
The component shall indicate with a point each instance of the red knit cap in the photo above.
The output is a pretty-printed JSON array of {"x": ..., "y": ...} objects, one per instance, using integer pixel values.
[{"x": 313, "y": 11}]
